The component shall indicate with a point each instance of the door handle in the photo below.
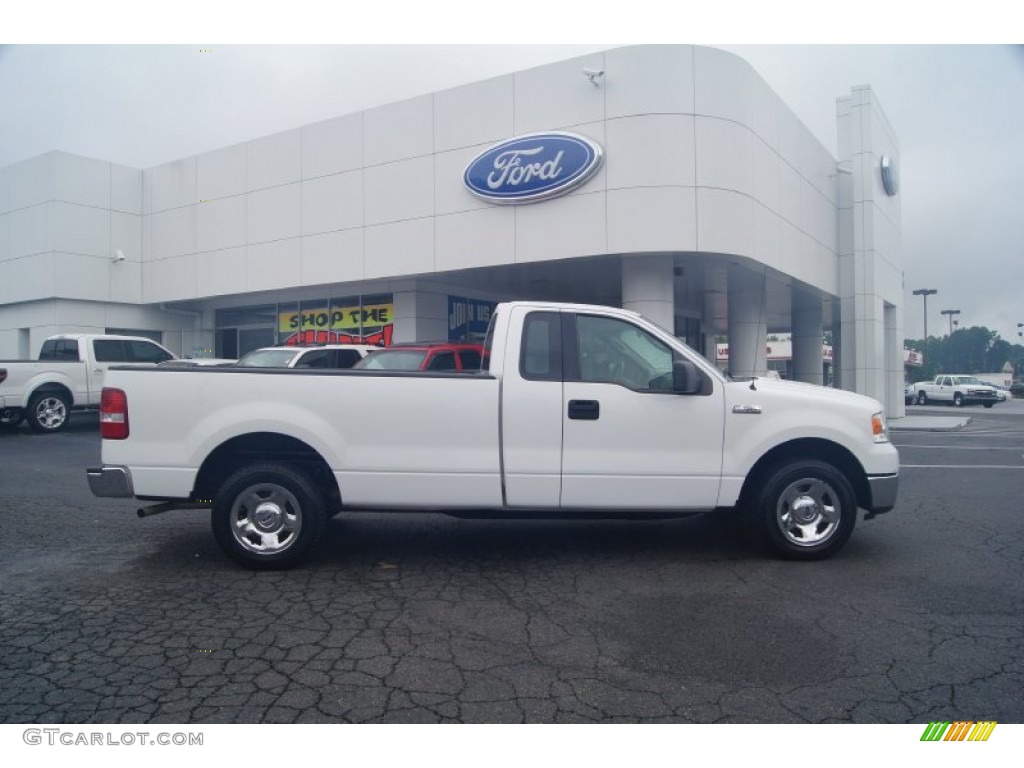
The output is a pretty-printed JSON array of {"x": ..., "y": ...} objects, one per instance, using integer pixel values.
[{"x": 585, "y": 410}]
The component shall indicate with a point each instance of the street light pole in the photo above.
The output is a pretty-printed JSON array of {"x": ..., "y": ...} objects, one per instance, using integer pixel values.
[
  {"x": 925, "y": 292},
  {"x": 950, "y": 312}
]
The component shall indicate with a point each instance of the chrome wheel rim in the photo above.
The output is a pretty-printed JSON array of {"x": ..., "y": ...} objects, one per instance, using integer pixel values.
[
  {"x": 808, "y": 512},
  {"x": 266, "y": 519},
  {"x": 51, "y": 412}
]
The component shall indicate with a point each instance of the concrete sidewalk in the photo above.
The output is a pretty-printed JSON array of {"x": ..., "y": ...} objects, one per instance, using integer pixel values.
[{"x": 928, "y": 423}]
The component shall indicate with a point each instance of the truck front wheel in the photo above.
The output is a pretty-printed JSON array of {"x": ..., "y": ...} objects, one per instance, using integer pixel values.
[
  {"x": 805, "y": 510},
  {"x": 958, "y": 400},
  {"x": 267, "y": 516},
  {"x": 11, "y": 417},
  {"x": 48, "y": 412}
]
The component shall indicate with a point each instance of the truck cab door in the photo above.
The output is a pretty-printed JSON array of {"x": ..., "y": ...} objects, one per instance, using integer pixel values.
[
  {"x": 105, "y": 353},
  {"x": 631, "y": 439}
]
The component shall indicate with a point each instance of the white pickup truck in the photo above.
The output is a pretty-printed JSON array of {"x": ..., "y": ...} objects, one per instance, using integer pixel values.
[
  {"x": 955, "y": 389},
  {"x": 583, "y": 411},
  {"x": 68, "y": 374}
]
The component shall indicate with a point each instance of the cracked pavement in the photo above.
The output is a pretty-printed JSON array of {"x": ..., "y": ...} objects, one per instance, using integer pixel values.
[{"x": 412, "y": 618}]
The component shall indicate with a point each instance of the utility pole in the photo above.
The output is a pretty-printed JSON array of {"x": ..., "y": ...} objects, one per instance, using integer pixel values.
[
  {"x": 925, "y": 292},
  {"x": 950, "y": 312}
]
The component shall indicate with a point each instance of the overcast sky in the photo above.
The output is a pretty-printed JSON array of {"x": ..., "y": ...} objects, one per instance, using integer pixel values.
[{"x": 958, "y": 111}]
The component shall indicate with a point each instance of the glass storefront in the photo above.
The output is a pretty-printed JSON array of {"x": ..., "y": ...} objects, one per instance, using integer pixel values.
[{"x": 367, "y": 319}]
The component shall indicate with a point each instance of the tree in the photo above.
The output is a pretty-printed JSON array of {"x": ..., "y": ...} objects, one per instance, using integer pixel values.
[{"x": 967, "y": 350}]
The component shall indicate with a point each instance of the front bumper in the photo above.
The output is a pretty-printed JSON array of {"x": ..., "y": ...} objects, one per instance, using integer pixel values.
[
  {"x": 883, "y": 493},
  {"x": 110, "y": 482}
]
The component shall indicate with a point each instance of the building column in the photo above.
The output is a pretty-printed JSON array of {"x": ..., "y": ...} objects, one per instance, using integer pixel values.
[
  {"x": 420, "y": 315},
  {"x": 807, "y": 340},
  {"x": 716, "y": 281},
  {"x": 895, "y": 405},
  {"x": 748, "y": 323},
  {"x": 648, "y": 287}
]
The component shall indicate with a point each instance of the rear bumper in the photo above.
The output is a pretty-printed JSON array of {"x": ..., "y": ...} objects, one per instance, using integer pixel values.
[
  {"x": 883, "y": 493},
  {"x": 110, "y": 482}
]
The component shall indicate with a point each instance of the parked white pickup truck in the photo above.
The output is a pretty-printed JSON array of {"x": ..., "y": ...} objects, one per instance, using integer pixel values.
[
  {"x": 958, "y": 390},
  {"x": 68, "y": 375},
  {"x": 582, "y": 411}
]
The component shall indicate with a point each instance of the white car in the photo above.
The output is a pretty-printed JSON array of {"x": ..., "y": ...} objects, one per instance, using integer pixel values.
[{"x": 323, "y": 357}]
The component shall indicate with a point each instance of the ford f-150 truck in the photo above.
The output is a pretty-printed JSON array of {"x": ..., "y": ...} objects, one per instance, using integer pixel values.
[
  {"x": 958, "y": 390},
  {"x": 68, "y": 375},
  {"x": 582, "y": 411}
]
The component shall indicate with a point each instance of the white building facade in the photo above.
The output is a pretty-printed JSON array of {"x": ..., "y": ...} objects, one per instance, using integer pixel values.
[{"x": 714, "y": 212}]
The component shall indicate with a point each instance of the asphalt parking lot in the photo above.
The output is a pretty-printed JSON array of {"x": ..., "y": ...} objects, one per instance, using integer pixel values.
[{"x": 424, "y": 618}]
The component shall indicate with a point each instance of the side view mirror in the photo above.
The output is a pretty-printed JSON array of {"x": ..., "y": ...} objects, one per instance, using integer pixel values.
[{"x": 686, "y": 378}]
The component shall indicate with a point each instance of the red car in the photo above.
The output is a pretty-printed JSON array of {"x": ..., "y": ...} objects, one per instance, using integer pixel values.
[{"x": 425, "y": 356}]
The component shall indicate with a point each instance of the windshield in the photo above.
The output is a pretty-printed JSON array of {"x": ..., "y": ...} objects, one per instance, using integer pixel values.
[
  {"x": 969, "y": 380},
  {"x": 268, "y": 358},
  {"x": 393, "y": 360}
]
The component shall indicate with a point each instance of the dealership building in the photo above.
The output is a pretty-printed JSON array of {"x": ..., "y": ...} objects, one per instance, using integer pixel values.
[{"x": 670, "y": 180}]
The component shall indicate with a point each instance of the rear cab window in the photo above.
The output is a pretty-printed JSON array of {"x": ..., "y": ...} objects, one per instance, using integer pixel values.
[
  {"x": 60, "y": 350},
  {"x": 540, "y": 354}
]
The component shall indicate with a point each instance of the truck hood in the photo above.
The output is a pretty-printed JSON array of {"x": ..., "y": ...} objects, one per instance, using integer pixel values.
[{"x": 797, "y": 392}]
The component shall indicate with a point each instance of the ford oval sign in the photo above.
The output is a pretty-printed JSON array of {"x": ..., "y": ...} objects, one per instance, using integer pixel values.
[{"x": 534, "y": 167}]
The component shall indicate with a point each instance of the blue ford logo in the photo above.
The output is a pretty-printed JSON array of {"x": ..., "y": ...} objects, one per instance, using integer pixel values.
[{"x": 534, "y": 167}]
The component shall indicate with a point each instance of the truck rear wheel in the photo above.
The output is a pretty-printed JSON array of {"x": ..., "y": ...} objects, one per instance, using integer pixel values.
[
  {"x": 805, "y": 510},
  {"x": 268, "y": 516},
  {"x": 48, "y": 412}
]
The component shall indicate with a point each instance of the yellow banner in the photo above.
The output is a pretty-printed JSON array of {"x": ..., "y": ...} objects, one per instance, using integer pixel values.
[{"x": 347, "y": 319}]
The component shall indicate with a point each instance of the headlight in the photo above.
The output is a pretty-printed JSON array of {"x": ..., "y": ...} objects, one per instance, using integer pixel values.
[{"x": 878, "y": 428}]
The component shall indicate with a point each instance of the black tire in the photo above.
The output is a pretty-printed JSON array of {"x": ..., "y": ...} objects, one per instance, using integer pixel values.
[
  {"x": 12, "y": 421},
  {"x": 958, "y": 400},
  {"x": 988, "y": 405},
  {"x": 825, "y": 503},
  {"x": 922, "y": 398},
  {"x": 268, "y": 516},
  {"x": 48, "y": 412}
]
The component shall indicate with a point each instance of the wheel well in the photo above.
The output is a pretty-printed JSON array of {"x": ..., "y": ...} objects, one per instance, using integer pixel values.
[
  {"x": 265, "y": 446},
  {"x": 58, "y": 389},
  {"x": 810, "y": 448}
]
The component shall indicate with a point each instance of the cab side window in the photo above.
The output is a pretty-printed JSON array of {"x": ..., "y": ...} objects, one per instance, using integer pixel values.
[
  {"x": 470, "y": 360},
  {"x": 109, "y": 351},
  {"x": 443, "y": 361},
  {"x": 347, "y": 358},
  {"x": 613, "y": 351},
  {"x": 320, "y": 358},
  {"x": 144, "y": 352}
]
